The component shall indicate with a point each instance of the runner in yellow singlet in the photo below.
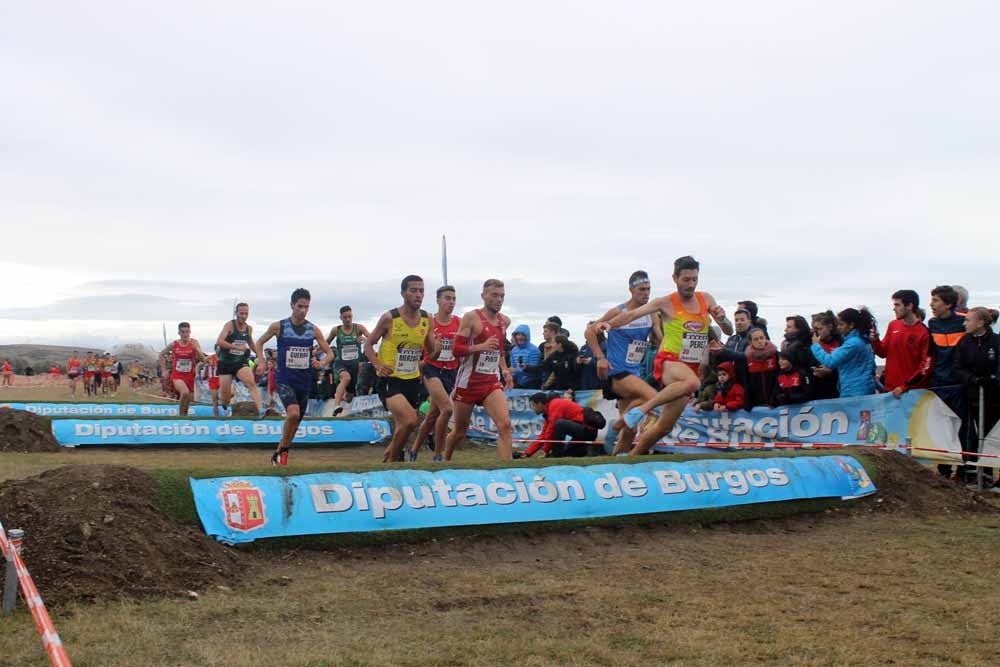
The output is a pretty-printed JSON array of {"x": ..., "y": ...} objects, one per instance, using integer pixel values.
[
  {"x": 404, "y": 331},
  {"x": 685, "y": 316}
]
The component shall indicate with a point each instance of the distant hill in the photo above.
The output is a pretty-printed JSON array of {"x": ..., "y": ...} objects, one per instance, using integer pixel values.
[{"x": 42, "y": 357}]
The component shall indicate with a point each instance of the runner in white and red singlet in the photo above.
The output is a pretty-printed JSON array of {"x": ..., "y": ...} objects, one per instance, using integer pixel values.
[
  {"x": 439, "y": 375},
  {"x": 185, "y": 352},
  {"x": 482, "y": 367}
]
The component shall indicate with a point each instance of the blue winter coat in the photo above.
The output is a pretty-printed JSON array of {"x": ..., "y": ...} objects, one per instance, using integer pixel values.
[
  {"x": 855, "y": 363},
  {"x": 530, "y": 356}
]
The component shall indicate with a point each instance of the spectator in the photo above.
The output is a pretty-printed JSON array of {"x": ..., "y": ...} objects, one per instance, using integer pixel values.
[
  {"x": 556, "y": 320},
  {"x": 962, "y": 306},
  {"x": 730, "y": 395},
  {"x": 564, "y": 420},
  {"x": 549, "y": 332},
  {"x": 559, "y": 367},
  {"x": 906, "y": 346},
  {"x": 793, "y": 381},
  {"x": 8, "y": 373},
  {"x": 757, "y": 322},
  {"x": 797, "y": 343},
  {"x": 854, "y": 360},
  {"x": 587, "y": 365},
  {"x": 976, "y": 359},
  {"x": 762, "y": 369},
  {"x": 825, "y": 380},
  {"x": 524, "y": 354},
  {"x": 741, "y": 334},
  {"x": 705, "y": 398}
]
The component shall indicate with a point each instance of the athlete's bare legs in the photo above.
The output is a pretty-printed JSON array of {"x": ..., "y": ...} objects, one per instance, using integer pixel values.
[
  {"x": 185, "y": 396},
  {"x": 437, "y": 417},
  {"x": 679, "y": 383},
  {"x": 406, "y": 421},
  {"x": 496, "y": 407}
]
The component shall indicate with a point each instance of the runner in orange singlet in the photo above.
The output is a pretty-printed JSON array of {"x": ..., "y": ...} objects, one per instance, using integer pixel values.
[
  {"x": 74, "y": 368},
  {"x": 684, "y": 349}
]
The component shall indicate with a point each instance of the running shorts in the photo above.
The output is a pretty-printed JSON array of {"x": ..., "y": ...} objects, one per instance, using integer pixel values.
[
  {"x": 230, "y": 369},
  {"x": 352, "y": 370},
  {"x": 446, "y": 375},
  {"x": 475, "y": 394},
  {"x": 290, "y": 396},
  {"x": 213, "y": 384},
  {"x": 663, "y": 357},
  {"x": 186, "y": 378},
  {"x": 387, "y": 387}
]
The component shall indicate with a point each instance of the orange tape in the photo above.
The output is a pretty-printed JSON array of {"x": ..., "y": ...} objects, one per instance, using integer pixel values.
[{"x": 43, "y": 622}]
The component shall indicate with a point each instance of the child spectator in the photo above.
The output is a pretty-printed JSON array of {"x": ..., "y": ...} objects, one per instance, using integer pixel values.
[
  {"x": 705, "y": 398},
  {"x": 854, "y": 360},
  {"x": 730, "y": 395},
  {"x": 762, "y": 369},
  {"x": 793, "y": 382},
  {"x": 976, "y": 359}
]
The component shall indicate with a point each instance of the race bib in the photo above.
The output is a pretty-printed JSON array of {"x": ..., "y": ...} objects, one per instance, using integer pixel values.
[
  {"x": 239, "y": 348},
  {"x": 407, "y": 360},
  {"x": 183, "y": 366},
  {"x": 489, "y": 362},
  {"x": 636, "y": 351},
  {"x": 693, "y": 347},
  {"x": 91, "y": 368},
  {"x": 349, "y": 353},
  {"x": 447, "y": 353},
  {"x": 297, "y": 358}
]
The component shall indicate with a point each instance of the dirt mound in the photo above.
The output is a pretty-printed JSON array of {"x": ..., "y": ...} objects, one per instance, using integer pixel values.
[
  {"x": 94, "y": 532},
  {"x": 22, "y": 431},
  {"x": 906, "y": 486}
]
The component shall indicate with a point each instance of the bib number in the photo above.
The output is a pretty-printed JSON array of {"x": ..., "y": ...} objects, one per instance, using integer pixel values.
[
  {"x": 693, "y": 347},
  {"x": 447, "y": 353},
  {"x": 489, "y": 362},
  {"x": 239, "y": 349},
  {"x": 407, "y": 360},
  {"x": 182, "y": 366},
  {"x": 636, "y": 352},
  {"x": 349, "y": 353},
  {"x": 297, "y": 358}
]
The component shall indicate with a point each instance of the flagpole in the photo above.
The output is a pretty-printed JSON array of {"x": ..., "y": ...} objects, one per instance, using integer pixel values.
[{"x": 444, "y": 258}]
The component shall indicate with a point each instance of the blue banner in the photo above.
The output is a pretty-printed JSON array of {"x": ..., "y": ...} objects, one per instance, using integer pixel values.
[
  {"x": 243, "y": 509},
  {"x": 73, "y": 432},
  {"x": 108, "y": 409},
  {"x": 878, "y": 419}
]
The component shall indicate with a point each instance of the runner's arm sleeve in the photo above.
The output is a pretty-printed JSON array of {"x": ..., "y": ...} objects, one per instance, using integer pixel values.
[{"x": 460, "y": 348}]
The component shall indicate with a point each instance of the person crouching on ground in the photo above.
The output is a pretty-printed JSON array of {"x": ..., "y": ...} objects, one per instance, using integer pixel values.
[
  {"x": 564, "y": 420},
  {"x": 793, "y": 381},
  {"x": 729, "y": 395}
]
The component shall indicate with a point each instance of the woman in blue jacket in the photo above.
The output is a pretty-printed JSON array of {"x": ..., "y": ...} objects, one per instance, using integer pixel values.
[{"x": 854, "y": 360}]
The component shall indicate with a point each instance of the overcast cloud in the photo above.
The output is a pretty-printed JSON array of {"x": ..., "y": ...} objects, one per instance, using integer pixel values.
[{"x": 159, "y": 160}]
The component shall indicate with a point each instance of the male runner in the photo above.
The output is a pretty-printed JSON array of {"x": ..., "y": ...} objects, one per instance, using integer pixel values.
[
  {"x": 99, "y": 374},
  {"x": 350, "y": 337},
  {"x": 686, "y": 323},
  {"x": 210, "y": 369},
  {"x": 483, "y": 365},
  {"x": 8, "y": 373},
  {"x": 439, "y": 375},
  {"x": 73, "y": 371},
  {"x": 622, "y": 367},
  {"x": 234, "y": 343},
  {"x": 116, "y": 374},
  {"x": 404, "y": 332},
  {"x": 133, "y": 374},
  {"x": 89, "y": 369},
  {"x": 185, "y": 352},
  {"x": 294, "y": 375}
]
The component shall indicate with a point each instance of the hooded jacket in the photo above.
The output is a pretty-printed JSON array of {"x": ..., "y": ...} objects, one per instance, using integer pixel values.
[
  {"x": 854, "y": 361},
  {"x": 525, "y": 355}
]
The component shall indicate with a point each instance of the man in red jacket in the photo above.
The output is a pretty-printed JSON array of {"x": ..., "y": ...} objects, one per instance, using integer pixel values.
[
  {"x": 906, "y": 346},
  {"x": 563, "y": 418}
]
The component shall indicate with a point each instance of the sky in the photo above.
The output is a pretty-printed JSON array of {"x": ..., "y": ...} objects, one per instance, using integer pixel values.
[{"x": 159, "y": 160}]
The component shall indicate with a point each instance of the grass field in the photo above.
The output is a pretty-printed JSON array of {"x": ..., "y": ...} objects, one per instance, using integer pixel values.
[{"x": 833, "y": 588}]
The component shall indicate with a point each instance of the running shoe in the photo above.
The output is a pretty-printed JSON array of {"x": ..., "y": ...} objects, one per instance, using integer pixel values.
[
  {"x": 280, "y": 457},
  {"x": 412, "y": 456},
  {"x": 339, "y": 409},
  {"x": 438, "y": 459},
  {"x": 633, "y": 417}
]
